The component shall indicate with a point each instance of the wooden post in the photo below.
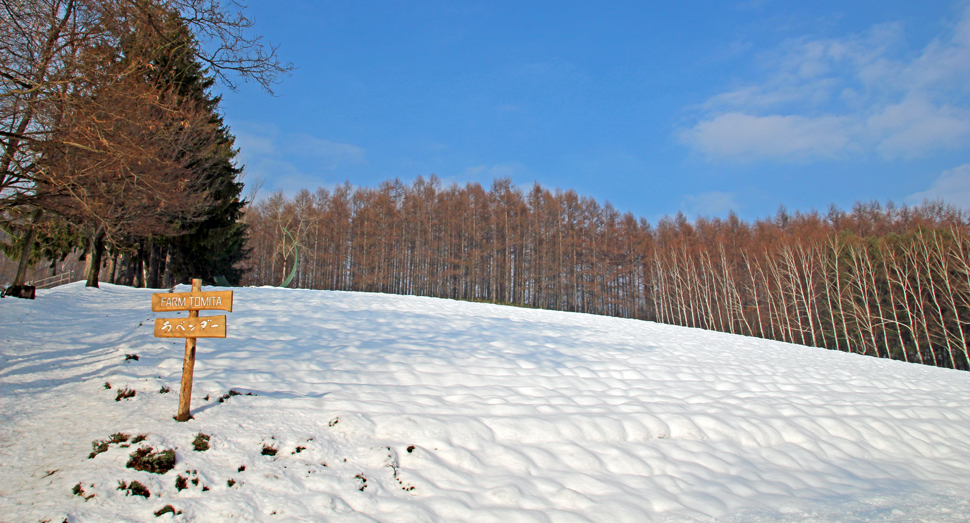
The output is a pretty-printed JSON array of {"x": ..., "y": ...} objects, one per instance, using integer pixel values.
[{"x": 188, "y": 366}]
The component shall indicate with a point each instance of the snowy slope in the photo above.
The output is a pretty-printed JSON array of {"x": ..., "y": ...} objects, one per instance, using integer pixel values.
[{"x": 408, "y": 409}]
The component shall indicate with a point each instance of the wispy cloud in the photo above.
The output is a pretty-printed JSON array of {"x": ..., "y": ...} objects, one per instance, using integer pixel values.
[
  {"x": 711, "y": 203},
  {"x": 746, "y": 137},
  {"x": 333, "y": 153},
  {"x": 280, "y": 175},
  {"x": 486, "y": 173},
  {"x": 953, "y": 187},
  {"x": 857, "y": 95},
  {"x": 252, "y": 144},
  {"x": 292, "y": 161}
]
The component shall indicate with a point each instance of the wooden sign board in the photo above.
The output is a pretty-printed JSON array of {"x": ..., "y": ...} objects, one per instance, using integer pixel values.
[
  {"x": 192, "y": 301},
  {"x": 198, "y": 327},
  {"x": 190, "y": 328}
]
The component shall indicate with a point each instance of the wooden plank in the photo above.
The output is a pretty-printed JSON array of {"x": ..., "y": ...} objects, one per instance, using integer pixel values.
[
  {"x": 197, "y": 327},
  {"x": 192, "y": 301}
]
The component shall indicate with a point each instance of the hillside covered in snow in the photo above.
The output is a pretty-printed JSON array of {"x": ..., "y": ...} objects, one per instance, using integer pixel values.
[{"x": 354, "y": 407}]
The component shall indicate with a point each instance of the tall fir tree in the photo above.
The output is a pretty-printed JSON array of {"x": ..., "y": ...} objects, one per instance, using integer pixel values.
[{"x": 211, "y": 247}]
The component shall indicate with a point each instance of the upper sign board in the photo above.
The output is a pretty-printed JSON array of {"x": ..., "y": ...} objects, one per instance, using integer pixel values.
[{"x": 192, "y": 301}]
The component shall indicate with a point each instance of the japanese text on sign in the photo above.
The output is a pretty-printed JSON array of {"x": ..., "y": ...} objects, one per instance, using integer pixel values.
[{"x": 200, "y": 327}]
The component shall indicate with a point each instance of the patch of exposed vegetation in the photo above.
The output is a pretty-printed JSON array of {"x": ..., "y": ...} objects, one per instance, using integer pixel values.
[
  {"x": 78, "y": 490},
  {"x": 134, "y": 489},
  {"x": 164, "y": 390},
  {"x": 148, "y": 460},
  {"x": 99, "y": 446},
  {"x": 201, "y": 442},
  {"x": 125, "y": 393},
  {"x": 167, "y": 509},
  {"x": 230, "y": 482},
  {"x": 269, "y": 450},
  {"x": 129, "y": 357},
  {"x": 233, "y": 392},
  {"x": 363, "y": 481},
  {"x": 182, "y": 482}
]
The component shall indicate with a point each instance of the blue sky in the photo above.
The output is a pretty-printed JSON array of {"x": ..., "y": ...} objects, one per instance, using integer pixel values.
[{"x": 698, "y": 107}]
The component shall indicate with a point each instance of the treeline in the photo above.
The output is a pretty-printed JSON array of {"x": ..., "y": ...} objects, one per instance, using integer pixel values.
[{"x": 886, "y": 281}]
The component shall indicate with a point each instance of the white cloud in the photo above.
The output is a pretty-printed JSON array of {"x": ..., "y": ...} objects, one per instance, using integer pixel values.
[
  {"x": 473, "y": 172},
  {"x": 256, "y": 142},
  {"x": 953, "y": 187},
  {"x": 485, "y": 173},
  {"x": 710, "y": 203},
  {"x": 279, "y": 175},
  {"x": 505, "y": 169},
  {"x": 915, "y": 125},
  {"x": 334, "y": 153},
  {"x": 291, "y": 161},
  {"x": 490, "y": 172},
  {"x": 746, "y": 137},
  {"x": 862, "y": 94},
  {"x": 252, "y": 144}
]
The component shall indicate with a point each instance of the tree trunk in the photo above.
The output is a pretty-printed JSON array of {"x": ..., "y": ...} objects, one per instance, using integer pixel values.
[
  {"x": 155, "y": 259},
  {"x": 168, "y": 280},
  {"x": 24, "y": 262},
  {"x": 139, "y": 265},
  {"x": 112, "y": 267},
  {"x": 127, "y": 274},
  {"x": 95, "y": 252}
]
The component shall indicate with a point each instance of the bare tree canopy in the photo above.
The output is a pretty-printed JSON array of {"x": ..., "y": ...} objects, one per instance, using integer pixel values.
[{"x": 54, "y": 49}]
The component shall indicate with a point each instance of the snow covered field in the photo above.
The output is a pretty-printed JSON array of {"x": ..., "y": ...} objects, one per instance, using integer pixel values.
[{"x": 407, "y": 409}]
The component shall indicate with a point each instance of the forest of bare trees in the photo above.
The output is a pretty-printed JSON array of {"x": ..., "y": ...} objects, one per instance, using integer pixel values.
[{"x": 885, "y": 281}]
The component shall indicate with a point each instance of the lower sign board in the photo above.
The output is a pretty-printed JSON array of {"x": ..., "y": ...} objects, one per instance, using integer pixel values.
[{"x": 200, "y": 327}]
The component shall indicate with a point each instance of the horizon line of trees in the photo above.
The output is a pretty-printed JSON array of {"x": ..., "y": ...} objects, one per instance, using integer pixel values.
[{"x": 884, "y": 280}]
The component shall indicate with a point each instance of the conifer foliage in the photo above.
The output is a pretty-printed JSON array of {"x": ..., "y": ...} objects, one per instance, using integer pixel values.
[{"x": 212, "y": 243}]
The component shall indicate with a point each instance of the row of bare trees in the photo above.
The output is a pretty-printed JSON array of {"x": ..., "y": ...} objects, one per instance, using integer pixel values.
[{"x": 885, "y": 281}]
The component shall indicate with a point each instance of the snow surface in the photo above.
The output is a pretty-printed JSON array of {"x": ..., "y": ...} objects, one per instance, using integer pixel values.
[{"x": 511, "y": 415}]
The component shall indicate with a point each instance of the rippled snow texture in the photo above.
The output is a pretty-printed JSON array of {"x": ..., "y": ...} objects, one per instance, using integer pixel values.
[{"x": 414, "y": 409}]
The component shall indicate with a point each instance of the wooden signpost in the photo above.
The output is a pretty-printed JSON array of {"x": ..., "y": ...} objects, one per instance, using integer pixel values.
[{"x": 190, "y": 328}]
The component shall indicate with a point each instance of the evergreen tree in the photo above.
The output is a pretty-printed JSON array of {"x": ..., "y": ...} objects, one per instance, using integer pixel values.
[
  {"x": 53, "y": 238},
  {"x": 212, "y": 246}
]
